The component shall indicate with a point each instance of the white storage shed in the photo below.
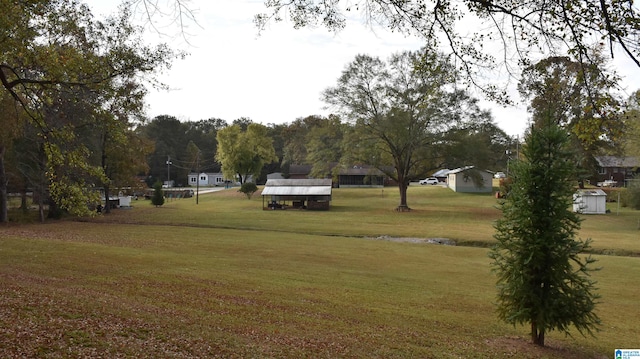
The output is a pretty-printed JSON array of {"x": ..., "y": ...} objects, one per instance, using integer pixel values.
[
  {"x": 462, "y": 180},
  {"x": 590, "y": 201}
]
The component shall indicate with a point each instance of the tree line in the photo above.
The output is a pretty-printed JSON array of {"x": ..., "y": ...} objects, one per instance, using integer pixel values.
[{"x": 404, "y": 115}]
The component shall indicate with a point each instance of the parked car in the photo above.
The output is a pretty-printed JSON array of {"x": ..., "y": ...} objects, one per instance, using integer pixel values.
[
  {"x": 429, "y": 180},
  {"x": 608, "y": 183},
  {"x": 499, "y": 175}
]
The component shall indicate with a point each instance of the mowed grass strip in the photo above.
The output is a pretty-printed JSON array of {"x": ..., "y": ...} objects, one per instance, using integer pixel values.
[
  {"x": 359, "y": 212},
  {"x": 85, "y": 289},
  {"x": 437, "y": 212}
]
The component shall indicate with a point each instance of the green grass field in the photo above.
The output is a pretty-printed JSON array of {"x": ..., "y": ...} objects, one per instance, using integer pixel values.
[{"x": 225, "y": 278}]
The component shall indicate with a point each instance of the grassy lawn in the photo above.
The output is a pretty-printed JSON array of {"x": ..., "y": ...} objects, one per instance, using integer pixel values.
[{"x": 225, "y": 278}]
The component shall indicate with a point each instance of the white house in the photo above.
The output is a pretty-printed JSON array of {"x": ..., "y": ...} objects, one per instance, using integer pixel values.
[
  {"x": 590, "y": 201},
  {"x": 462, "y": 180},
  {"x": 206, "y": 179},
  {"x": 213, "y": 179}
]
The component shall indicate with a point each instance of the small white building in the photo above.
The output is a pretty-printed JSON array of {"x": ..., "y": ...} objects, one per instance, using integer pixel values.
[
  {"x": 462, "y": 180},
  {"x": 590, "y": 201},
  {"x": 124, "y": 201},
  {"x": 206, "y": 179},
  {"x": 213, "y": 179}
]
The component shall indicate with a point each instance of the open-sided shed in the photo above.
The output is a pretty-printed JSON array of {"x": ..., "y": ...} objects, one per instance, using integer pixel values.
[
  {"x": 297, "y": 193},
  {"x": 590, "y": 201}
]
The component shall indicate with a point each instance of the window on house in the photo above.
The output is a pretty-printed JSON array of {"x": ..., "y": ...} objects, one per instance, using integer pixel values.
[
  {"x": 602, "y": 170},
  {"x": 219, "y": 179},
  {"x": 203, "y": 178},
  {"x": 193, "y": 179}
]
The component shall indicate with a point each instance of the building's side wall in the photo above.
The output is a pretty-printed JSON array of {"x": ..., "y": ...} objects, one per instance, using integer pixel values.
[
  {"x": 596, "y": 205},
  {"x": 458, "y": 184},
  {"x": 590, "y": 204}
]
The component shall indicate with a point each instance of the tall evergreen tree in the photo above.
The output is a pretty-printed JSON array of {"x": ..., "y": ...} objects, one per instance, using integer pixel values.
[{"x": 543, "y": 279}]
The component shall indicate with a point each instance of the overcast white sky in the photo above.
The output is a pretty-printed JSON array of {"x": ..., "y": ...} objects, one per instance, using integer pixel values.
[{"x": 276, "y": 77}]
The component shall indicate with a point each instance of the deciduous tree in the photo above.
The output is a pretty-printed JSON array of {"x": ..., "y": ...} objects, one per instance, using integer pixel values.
[
  {"x": 581, "y": 98},
  {"x": 55, "y": 53},
  {"x": 243, "y": 154},
  {"x": 400, "y": 109},
  {"x": 632, "y": 121},
  {"x": 324, "y": 146},
  {"x": 478, "y": 141},
  {"x": 169, "y": 136},
  {"x": 295, "y": 149},
  {"x": 504, "y": 32},
  {"x": 11, "y": 124}
]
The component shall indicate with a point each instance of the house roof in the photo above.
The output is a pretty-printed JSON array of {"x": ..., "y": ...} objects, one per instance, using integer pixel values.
[
  {"x": 461, "y": 169},
  {"x": 206, "y": 173},
  {"x": 361, "y": 171},
  {"x": 466, "y": 168},
  {"x": 299, "y": 169},
  {"x": 441, "y": 173},
  {"x": 614, "y": 161},
  {"x": 297, "y": 187}
]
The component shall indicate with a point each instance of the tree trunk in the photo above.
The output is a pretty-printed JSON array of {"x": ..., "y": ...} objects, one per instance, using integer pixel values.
[
  {"x": 107, "y": 204},
  {"x": 41, "y": 207},
  {"x": 55, "y": 212},
  {"x": 402, "y": 187},
  {"x": 4, "y": 201},
  {"x": 24, "y": 206},
  {"x": 537, "y": 337},
  {"x": 41, "y": 186}
]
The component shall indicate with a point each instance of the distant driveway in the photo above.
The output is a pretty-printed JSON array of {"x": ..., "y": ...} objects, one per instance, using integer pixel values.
[{"x": 208, "y": 190}]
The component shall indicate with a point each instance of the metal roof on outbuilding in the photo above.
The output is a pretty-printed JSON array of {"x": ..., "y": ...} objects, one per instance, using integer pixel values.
[
  {"x": 591, "y": 192},
  {"x": 297, "y": 187}
]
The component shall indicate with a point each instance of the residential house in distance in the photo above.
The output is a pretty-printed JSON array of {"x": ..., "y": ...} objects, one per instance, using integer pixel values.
[
  {"x": 353, "y": 176},
  {"x": 361, "y": 176},
  {"x": 616, "y": 171},
  {"x": 299, "y": 171},
  {"x": 206, "y": 179}
]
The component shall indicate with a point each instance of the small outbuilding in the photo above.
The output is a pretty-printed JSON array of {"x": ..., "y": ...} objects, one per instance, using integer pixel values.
[
  {"x": 590, "y": 201},
  {"x": 469, "y": 179},
  {"x": 297, "y": 193}
]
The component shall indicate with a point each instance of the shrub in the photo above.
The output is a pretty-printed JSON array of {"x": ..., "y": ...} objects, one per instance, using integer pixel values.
[
  {"x": 248, "y": 188},
  {"x": 158, "y": 197}
]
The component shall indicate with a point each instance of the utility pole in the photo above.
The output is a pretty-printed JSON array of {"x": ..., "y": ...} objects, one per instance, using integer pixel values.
[
  {"x": 197, "y": 175},
  {"x": 168, "y": 171}
]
